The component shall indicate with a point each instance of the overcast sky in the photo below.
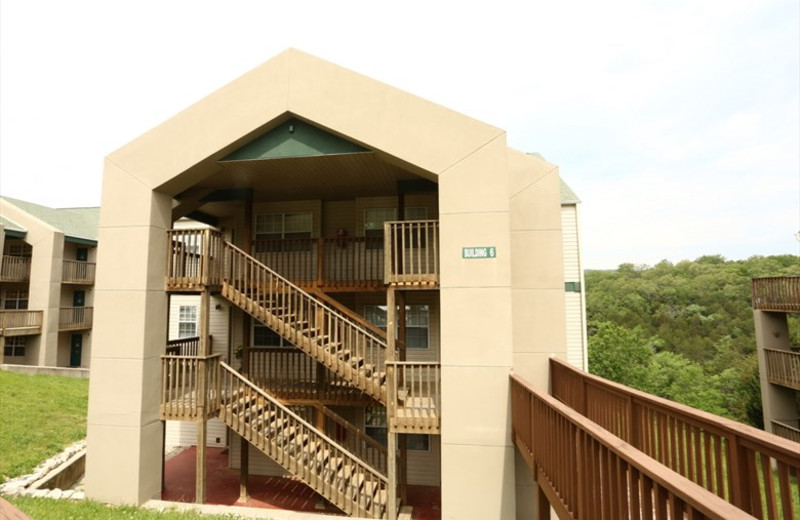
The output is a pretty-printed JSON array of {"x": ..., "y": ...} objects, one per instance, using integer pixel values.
[{"x": 676, "y": 122}]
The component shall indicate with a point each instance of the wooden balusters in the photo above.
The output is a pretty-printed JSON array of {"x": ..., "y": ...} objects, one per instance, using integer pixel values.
[
  {"x": 415, "y": 397},
  {"x": 411, "y": 252}
]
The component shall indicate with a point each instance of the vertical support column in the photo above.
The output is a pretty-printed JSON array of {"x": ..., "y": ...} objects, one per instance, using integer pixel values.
[
  {"x": 244, "y": 446},
  {"x": 402, "y": 443},
  {"x": 202, "y": 388},
  {"x": 391, "y": 403}
]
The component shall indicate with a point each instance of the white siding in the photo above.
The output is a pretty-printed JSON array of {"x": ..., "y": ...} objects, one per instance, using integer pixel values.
[{"x": 575, "y": 301}]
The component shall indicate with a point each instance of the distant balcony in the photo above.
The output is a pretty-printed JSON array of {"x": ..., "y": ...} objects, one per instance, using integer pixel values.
[
  {"x": 783, "y": 367},
  {"x": 78, "y": 272},
  {"x": 20, "y": 323},
  {"x": 776, "y": 293},
  {"x": 788, "y": 429},
  {"x": 75, "y": 318},
  {"x": 15, "y": 269}
]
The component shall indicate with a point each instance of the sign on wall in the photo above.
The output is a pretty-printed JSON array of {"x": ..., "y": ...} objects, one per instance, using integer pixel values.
[{"x": 477, "y": 253}]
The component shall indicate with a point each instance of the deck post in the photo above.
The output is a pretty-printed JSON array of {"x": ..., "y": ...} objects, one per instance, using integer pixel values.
[
  {"x": 391, "y": 404},
  {"x": 244, "y": 445}
]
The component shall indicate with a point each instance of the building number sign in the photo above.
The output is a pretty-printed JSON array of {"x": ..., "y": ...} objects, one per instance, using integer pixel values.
[{"x": 477, "y": 253}]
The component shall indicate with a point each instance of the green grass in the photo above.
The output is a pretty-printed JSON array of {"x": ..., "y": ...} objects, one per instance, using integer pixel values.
[
  {"x": 41, "y": 416},
  {"x": 49, "y": 509}
]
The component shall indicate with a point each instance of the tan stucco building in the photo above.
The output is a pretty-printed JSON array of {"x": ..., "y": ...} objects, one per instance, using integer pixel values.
[
  {"x": 47, "y": 276},
  {"x": 343, "y": 207}
]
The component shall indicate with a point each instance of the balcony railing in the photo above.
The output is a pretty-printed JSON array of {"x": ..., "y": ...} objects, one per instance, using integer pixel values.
[
  {"x": 75, "y": 318},
  {"x": 776, "y": 293},
  {"x": 189, "y": 387},
  {"x": 78, "y": 272},
  {"x": 184, "y": 346},
  {"x": 585, "y": 472},
  {"x": 15, "y": 269},
  {"x": 411, "y": 248},
  {"x": 20, "y": 323},
  {"x": 414, "y": 397},
  {"x": 194, "y": 260},
  {"x": 752, "y": 469},
  {"x": 783, "y": 367},
  {"x": 786, "y": 430}
]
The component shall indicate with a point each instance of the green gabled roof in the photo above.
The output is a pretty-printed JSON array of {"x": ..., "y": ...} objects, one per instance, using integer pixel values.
[
  {"x": 567, "y": 195},
  {"x": 12, "y": 229},
  {"x": 79, "y": 224},
  {"x": 294, "y": 138}
]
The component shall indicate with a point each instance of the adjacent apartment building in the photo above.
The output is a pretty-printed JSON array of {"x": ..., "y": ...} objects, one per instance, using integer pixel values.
[
  {"x": 47, "y": 278},
  {"x": 377, "y": 266}
]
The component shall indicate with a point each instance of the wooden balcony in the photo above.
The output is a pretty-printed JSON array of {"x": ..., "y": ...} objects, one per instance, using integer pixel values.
[
  {"x": 184, "y": 346},
  {"x": 78, "y": 272},
  {"x": 777, "y": 293},
  {"x": 75, "y": 318},
  {"x": 15, "y": 269},
  {"x": 198, "y": 259},
  {"x": 787, "y": 429},
  {"x": 414, "y": 397},
  {"x": 295, "y": 378},
  {"x": 752, "y": 469},
  {"x": 20, "y": 323},
  {"x": 783, "y": 367},
  {"x": 189, "y": 387}
]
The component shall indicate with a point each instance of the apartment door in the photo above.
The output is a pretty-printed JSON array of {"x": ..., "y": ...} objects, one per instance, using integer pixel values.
[
  {"x": 78, "y": 302},
  {"x": 81, "y": 255},
  {"x": 75, "y": 350}
]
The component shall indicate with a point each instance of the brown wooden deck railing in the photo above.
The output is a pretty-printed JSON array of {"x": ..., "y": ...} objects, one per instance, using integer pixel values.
[
  {"x": 411, "y": 248},
  {"x": 15, "y": 268},
  {"x": 190, "y": 387},
  {"x": 78, "y": 272},
  {"x": 783, "y": 367},
  {"x": 776, "y": 293},
  {"x": 585, "y": 472},
  {"x": 754, "y": 470},
  {"x": 414, "y": 396},
  {"x": 75, "y": 318},
  {"x": 357, "y": 442},
  {"x": 19, "y": 323},
  {"x": 292, "y": 375},
  {"x": 304, "y": 320},
  {"x": 194, "y": 259},
  {"x": 786, "y": 430},
  {"x": 184, "y": 346}
]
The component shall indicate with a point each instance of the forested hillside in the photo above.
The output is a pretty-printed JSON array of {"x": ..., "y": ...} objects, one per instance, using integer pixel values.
[{"x": 683, "y": 331}]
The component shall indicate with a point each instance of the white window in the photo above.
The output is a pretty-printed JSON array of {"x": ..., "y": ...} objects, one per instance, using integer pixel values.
[
  {"x": 14, "y": 347},
  {"x": 264, "y": 336},
  {"x": 417, "y": 323},
  {"x": 187, "y": 321},
  {"x": 274, "y": 226},
  {"x": 374, "y": 218}
]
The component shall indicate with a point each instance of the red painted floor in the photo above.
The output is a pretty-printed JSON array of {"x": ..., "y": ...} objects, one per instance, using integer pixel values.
[{"x": 267, "y": 492}]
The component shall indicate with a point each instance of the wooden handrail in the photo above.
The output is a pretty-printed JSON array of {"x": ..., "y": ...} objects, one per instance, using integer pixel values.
[
  {"x": 411, "y": 250},
  {"x": 303, "y": 320},
  {"x": 783, "y": 367},
  {"x": 786, "y": 430},
  {"x": 776, "y": 293},
  {"x": 15, "y": 268},
  {"x": 16, "y": 319},
  {"x": 194, "y": 259},
  {"x": 184, "y": 346},
  {"x": 75, "y": 318},
  {"x": 190, "y": 387},
  {"x": 356, "y": 441},
  {"x": 728, "y": 458},
  {"x": 414, "y": 396},
  {"x": 78, "y": 271},
  {"x": 586, "y": 472}
]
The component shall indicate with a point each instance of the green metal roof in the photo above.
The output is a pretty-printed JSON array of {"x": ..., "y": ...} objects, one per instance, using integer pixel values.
[
  {"x": 12, "y": 229},
  {"x": 567, "y": 195},
  {"x": 78, "y": 224}
]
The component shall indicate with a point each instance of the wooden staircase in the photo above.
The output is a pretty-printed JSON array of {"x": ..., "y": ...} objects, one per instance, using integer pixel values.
[
  {"x": 331, "y": 470},
  {"x": 337, "y": 340}
]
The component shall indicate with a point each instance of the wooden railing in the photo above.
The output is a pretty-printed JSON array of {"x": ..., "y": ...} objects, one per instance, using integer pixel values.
[
  {"x": 184, "y": 346},
  {"x": 783, "y": 367},
  {"x": 75, "y": 318},
  {"x": 411, "y": 248},
  {"x": 18, "y": 323},
  {"x": 786, "y": 430},
  {"x": 305, "y": 321},
  {"x": 414, "y": 397},
  {"x": 754, "y": 470},
  {"x": 329, "y": 263},
  {"x": 301, "y": 448},
  {"x": 357, "y": 442},
  {"x": 292, "y": 375},
  {"x": 79, "y": 272},
  {"x": 585, "y": 472},
  {"x": 194, "y": 259},
  {"x": 776, "y": 293},
  {"x": 15, "y": 268},
  {"x": 189, "y": 387}
]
